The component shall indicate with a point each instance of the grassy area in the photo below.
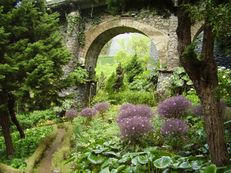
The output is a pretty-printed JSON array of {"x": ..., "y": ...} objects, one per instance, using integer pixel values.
[{"x": 105, "y": 65}]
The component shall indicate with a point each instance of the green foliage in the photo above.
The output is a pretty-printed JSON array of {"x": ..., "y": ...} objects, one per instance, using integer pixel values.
[
  {"x": 192, "y": 96},
  {"x": 98, "y": 149},
  {"x": 32, "y": 54},
  {"x": 134, "y": 97},
  {"x": 224, "y": 77},
  {"x": 110, "y": 84},
  {"x": 146, "y": 81},
  {"x": 76, "y": 77},
  {"x": 79, "y": 23},
  {"x": 36, "y": 118},
  {"x": 24, "y": 148},
  {"x": 180, "y": 81},
  {"x": 132, "y": 69}
]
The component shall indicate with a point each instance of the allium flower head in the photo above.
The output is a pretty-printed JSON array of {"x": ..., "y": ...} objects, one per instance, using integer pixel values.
[
  {"x": 71, "y": 113},
  {"x": 174, "y": 127},
  {"x": 134, "y": 127},
  {"x": 174, "y": 107},
  {"x": 129, "y": 110},
  {"x": 88, "y": 112},
  {"x": 102, "y": 107},
  {"x": 126, "y": 106}
]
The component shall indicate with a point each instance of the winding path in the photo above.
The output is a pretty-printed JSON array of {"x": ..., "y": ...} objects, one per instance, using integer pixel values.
[{"x": 45, "y": 163}]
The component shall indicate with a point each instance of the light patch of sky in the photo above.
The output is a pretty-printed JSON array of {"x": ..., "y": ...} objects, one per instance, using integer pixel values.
[{"x": 116, "y": 46}]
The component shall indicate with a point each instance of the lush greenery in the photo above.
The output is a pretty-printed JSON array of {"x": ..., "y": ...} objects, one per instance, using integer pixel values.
[
  {"x": 99, "y": 148},
  {"x": 24, "y": 148}
]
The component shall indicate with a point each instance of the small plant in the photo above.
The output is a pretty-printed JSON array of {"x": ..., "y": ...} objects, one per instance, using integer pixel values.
[
  {"x": 174, "y": 131},
  {"x": 88, "y": 113},
  {"x": 174, "y": 107},
  {"x": 102, "y": 108}
]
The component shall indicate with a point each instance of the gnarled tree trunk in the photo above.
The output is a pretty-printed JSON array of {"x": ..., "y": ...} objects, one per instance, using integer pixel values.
[{"x": 203, "y": 74}]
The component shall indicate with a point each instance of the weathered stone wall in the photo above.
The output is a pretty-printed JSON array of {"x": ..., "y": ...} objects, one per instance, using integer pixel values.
[{"x": 162, "y": 32}]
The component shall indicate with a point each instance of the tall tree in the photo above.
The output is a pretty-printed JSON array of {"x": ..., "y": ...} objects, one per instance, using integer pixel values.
[
  {"x": 203, "y": 73},
  {"x": 31, "y": 60},
  {"x": 202, "y": 69}
]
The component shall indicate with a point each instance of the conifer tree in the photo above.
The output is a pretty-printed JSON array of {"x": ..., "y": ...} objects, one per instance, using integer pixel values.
[{"x": 31, "y": 60}]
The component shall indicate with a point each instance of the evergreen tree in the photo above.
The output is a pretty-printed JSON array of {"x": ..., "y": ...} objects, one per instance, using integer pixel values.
[{"x": 31, "y": 60}]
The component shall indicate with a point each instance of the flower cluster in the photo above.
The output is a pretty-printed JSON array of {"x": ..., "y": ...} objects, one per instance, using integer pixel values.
[
  {"x": 174, "y": 107},
  {"x": 134, "y": 121},
  {"x": 88, "y": 112},
  {"x": 102, "y": 107},
  {"x": 71, "y": 113},
  {"x": 130, "y": 110},
  {"x": 134, "y": 127},
  {"x": 174, "y": 127}
]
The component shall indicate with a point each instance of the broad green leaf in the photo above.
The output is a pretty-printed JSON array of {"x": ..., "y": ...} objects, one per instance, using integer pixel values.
[
  {"x": 184, "y": 165},
  {"x": 210, "y": 169},
  {"x": 105, "y": 170},
  {"x": 163, "y": 162},
  {"x": 95, "y": 159},
  {"x": 143, "y": 159}
]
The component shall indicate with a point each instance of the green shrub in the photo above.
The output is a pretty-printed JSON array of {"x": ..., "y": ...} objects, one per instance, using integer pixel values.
[
  {"x": 180, "y": 81},
  {"x": 36, "y": 117},
  {"x": 24, "y": 147},
  {"x": 134, "y": 97},
  {"x": 133, "y": 69},
  {"x": 224, "y": 77}
]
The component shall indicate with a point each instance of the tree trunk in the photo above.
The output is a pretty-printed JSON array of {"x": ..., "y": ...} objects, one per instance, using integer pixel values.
[
  {"x": 11, "y": 104},
  {"x": 5, "y": 123},
  {"x": 214, "y": 123},
  {"x": 203, "y": 74}
]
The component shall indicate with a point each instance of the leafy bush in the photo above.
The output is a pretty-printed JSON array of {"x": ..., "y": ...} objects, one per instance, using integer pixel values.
[
  {"x": 135, "y": 97},
  {"x": 174, "y": 107},
  {"x": 24, "y": 148},
  {"x": 224, "y": 77},
  {"x": 133, "y": 69},
  {"x": 180, "y": 81},
  {"x": 36, "y": 117}
]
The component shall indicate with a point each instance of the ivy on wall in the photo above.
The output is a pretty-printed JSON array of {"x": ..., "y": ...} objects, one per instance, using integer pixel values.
[{"x": 79, "y": 23}]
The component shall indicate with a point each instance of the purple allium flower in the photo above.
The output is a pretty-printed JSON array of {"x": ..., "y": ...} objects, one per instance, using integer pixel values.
[
  {"x": 174, "y": 127},
  {"x": 174, "y": 107},
  {"x": 126, "y": 106},
  {"x": 71, "y": 113},
  {"x": 102, "y": 107},
  {"x": 88, "y": 112},
  {"x": 134, "y": 127},
  {"x": 129, "y": 110}
]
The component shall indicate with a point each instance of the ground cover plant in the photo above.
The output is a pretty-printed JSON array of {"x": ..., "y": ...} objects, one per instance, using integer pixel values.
[
  {"x": 24, "y": 148},
  {"x": 108, "y": 145}
]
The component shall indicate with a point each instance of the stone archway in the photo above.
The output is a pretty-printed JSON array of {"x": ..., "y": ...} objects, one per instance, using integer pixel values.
[{"x": 98, "y": 36}]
